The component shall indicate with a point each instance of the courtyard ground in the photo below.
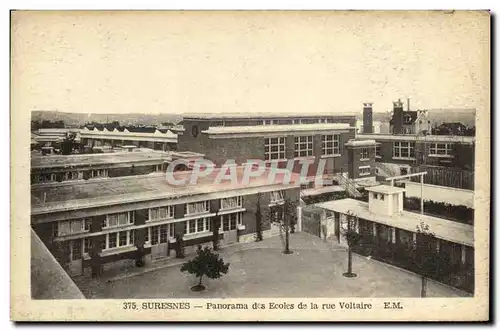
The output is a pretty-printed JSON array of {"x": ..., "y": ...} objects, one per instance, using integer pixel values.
[{"x": 261, "y": 270}]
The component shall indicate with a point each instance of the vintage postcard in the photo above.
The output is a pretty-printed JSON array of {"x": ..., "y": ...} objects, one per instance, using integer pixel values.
[{"x": 250, "y": 165}]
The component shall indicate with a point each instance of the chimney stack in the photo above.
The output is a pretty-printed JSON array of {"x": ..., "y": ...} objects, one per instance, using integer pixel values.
[
  {"x": 367, "y": 117},
  {"x": 397, "y": 117}
]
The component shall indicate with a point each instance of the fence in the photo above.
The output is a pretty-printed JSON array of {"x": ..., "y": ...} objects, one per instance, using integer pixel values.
[
  {"x": 311, "y": 220},
  {"x": 448, "y": 177}
]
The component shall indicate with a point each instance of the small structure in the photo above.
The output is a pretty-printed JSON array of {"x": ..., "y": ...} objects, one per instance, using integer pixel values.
[{"x": 390, "y": 233}]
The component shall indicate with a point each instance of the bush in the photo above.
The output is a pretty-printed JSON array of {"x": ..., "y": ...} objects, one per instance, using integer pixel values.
[{"x": 456, "y": 213}]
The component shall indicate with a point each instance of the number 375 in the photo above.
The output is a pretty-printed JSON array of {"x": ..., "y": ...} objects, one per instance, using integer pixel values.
[{"x": 129, "y": 305}]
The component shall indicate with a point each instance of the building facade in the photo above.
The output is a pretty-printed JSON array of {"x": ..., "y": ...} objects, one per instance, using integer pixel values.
[
  {"x": 99, "y": 224},
  {"x": 414, "y": 150},
  {"x": 80, "y": 167}
]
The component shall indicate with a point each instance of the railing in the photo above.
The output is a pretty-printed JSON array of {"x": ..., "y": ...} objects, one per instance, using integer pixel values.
[
  {"x": 349, "y": 185},
  {"x": 386, "y": 169}
]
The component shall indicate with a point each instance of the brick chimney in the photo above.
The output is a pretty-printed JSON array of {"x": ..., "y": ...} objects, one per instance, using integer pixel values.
[
  {"x": 367, "y": 117},
  {"x": 397, "y": 117}
]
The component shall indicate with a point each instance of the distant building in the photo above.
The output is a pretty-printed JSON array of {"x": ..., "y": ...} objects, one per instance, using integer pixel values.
[
  {"x": 81, "y": 167},
  {"x": 407, "y": 151},
  {"x": 109, "y": 136}
]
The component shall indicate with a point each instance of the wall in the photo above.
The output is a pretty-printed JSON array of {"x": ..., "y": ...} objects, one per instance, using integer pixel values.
[{"x": 444, "y": 194}]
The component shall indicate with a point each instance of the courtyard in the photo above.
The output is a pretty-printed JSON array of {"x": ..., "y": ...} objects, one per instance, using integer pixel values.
[{"x": 260, "y": 270}]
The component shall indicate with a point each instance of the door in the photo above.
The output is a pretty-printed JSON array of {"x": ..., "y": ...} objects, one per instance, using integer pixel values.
[
  {"x": 229, "y": 226},
  {"x": 159, "y": 240},
  {"x": 75, "y": 257}
]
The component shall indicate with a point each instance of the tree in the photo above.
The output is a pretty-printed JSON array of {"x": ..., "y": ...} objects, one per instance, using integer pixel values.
[
  {"x": 68, "y": 143},
  {"x": 179, "y": 246},
  {"x": 258, "y": 220},
  {"x": 206, "y": 263},
  {"x": 283, "y": 215},
  {"x": 351, "y": 234},
  {"x": 424, "y": 255}
]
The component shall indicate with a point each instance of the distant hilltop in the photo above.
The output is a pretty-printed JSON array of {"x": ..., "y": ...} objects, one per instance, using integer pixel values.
[{"x": 77, "y": 120}]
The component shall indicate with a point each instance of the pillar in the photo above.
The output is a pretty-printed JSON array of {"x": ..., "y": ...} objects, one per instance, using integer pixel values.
[
  {"x": 96, "y": 242},
  {"x": 299, "y": 219}
]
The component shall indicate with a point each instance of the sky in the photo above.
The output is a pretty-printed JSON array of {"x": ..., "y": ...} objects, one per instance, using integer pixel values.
[{"x": 276, "y": 62}]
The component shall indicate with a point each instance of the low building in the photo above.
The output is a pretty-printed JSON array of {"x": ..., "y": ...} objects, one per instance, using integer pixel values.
[
  {"x": 385, "y": 225},
  {"x": 144, "y": 137},
  {"x": 80, "y": 167},
  {"x": 91, "y": 226}
]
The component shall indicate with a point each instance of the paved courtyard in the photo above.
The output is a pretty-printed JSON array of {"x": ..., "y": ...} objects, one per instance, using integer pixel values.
[{"x": 261, "y": 270}]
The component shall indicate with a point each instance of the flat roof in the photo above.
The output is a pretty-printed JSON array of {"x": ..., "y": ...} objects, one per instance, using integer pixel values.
[
  {"x": 442, "y": 229},
  {"x": 387, "y": 189},
  {"x": 48, "y": 279},
  {"x": 412, "y": 137},
  {"x": 356, "y": 143},
  {"x": 221, "y": 130},
  {"x": 120, "y": 190},
  {"x": 258, "y": 115},
  {"x": 75, "y": 160}
]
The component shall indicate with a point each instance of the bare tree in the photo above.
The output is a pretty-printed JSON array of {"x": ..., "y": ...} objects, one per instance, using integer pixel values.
[
  {"x": 284, "y": 215},
  {"x": 424, "y": 255},
  {"x": 349, "y": 230},
  {"x": 258, "y": 219}
]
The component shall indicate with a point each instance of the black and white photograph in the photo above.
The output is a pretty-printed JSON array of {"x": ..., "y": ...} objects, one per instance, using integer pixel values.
[{"x": 258, "y": 162}]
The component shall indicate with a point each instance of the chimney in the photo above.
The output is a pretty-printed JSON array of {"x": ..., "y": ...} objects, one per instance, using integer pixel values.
[
  {"x": 397, "y": 117},
  {"x": 367, "y": 117}
]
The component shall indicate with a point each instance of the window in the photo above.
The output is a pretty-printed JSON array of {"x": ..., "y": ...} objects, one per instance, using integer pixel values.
[
  {"x": 364, "y": 153},
  {"x": 298, "y": 121},
  {"x": 231, "y": 221},
  {"x": 112, "y": 240},
  {"x": 303, "y": 146},
  {"x": 231, "y": 203},
  {"x": 45, "y": 178},
  {"x": 441, "y": 149},
  {"x": 65, "y": 228},
  {"x": 163, "y": 233},
  {"x": 403, "y": 149},
  {"x": 330, "y": 144},
  {"x": 158, "y": 167},
  {"x": 406, "y": 131},
  {"x": 76, "y": 249},
  {"x": 364, "y": 171},
  {"x": 407, "y": 118},
  {"x": 274, "y": 148},
  {"x": 99, "y": 173},
  {"x": 161, "y": 213},
  {"x": 197, "y": 208},
  {"x": 87, "y": 245},
  {"x": 377, "y": 151},
  {"x": 276, "y": 196},
  {"x": 73, "y": 175},
  {"x": 119, "y": 239},
  {"x": 268, "y": 122},
  {"x": 197, "y": 226},
  {"x": 158, "y": 234},
  {"x": 118, "y": 219}
]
